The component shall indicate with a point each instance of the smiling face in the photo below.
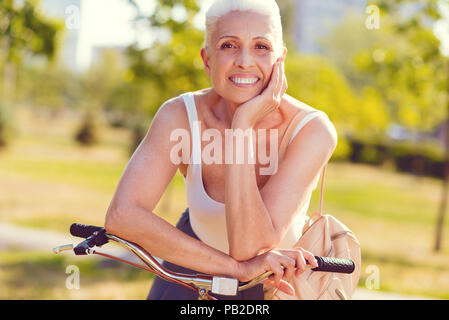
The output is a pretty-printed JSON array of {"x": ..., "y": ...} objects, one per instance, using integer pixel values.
[{"x": 240, "y": 56}]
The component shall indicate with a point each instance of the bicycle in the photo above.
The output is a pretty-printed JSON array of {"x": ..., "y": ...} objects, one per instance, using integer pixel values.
[{"x": 200, "y": 283}]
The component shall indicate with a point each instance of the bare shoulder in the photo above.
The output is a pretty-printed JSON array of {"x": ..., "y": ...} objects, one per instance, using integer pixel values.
[
  {"x": 173, "y": 114},
  {"x": 320, "y": 128},
  {"x": 170, "y": 117}
]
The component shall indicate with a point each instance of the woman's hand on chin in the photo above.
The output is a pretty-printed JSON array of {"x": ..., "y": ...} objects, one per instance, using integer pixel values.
[{"x": 268, "y": 101}]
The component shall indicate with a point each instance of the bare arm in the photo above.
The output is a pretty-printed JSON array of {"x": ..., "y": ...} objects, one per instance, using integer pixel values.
[
  {"x": 257, "y": 221},
  {"x": 260, "y": 219},
  {"x": 130, "y": 214}
]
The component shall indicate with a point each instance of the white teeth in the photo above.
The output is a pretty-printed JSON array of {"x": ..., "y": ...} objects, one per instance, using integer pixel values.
[{"x": 244, "y": 80}]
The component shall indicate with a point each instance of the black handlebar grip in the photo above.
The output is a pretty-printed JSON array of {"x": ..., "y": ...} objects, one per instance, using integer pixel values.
[
  {"x": 83, "y": 230},
  {"x": 337, "y": 265}
]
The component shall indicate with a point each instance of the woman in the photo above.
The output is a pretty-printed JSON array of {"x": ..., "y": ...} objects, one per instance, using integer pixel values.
[{"x": 240, "y": 223}]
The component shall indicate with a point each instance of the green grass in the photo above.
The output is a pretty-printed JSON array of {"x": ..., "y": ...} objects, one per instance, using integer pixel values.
[
  {"x": 393, "y": 215},
  {"x": 48, "y": 181},
  {"x": 51, "y": 181},
  {"x": 97, "y": 176},
  {"x": 398, "y": 273},
  {"x": 31, "y": 275}
]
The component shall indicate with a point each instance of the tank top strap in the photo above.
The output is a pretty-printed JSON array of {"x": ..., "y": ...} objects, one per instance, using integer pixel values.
[
  {"x": 304, "y": 121},
  {"x": 189, "y": 101}
]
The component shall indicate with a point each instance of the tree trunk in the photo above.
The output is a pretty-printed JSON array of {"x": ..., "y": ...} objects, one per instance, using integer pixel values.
[
  {"x": 443, "y": 205},
  {"x": 442, "y": 212},
  {"x": 7, "y": 87}
]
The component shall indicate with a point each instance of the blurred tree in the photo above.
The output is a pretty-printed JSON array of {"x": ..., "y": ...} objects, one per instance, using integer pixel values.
[
  {"x": 98, "y": 84},
  {"x": 171, "y": 66},
  {"x": 400, "y": 67},
  {"x": 49, "y": 87},
  {"x": 317, "y": 82},
  {"x": 139, "y": 129},
  {"x": 5, "y": 120},
  {"x": 408, "y": 71},
  {"x": 288, "y": 13},
  {"x": 103, "y": 77},
  {"x": 345, "y": 41},
  {"x": 111, "y": 86},
  {"x": 24, "y": 32},
  {"x": 405, "y": 68},
  {"x": 87, "y": 135}
]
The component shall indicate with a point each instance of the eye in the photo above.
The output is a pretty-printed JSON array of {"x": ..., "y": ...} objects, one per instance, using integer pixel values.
[
  {"x": 227, "y": 45},
  {"x": 262, "y": 46}
]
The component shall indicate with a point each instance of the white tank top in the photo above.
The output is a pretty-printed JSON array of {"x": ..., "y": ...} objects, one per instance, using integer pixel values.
[{"x": 207, "y": 216}]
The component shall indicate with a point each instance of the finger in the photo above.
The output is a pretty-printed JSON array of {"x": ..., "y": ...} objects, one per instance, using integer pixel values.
[
  {"x": 296, "y": 255},
  {"x": 277, "y": 93},
  {"x": 284, "y": 87},
  {"x": 300, "y": 263},
  {"x": 289, "y": 266},
  {"x": 285, "y": 83},
  {"x": 273, "y": 79},
  {"x": 310, "y": 257},
  {"x": 278, "y": 273},
  {"x": 284, "y": 286}
]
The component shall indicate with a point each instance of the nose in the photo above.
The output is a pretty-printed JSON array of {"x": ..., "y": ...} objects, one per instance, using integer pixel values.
[{"x": 244, "y": 59}]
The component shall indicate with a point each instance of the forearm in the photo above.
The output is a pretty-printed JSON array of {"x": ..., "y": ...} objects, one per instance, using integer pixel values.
[
  {"x": 249, "y": 225},
  {"x": 164, "y": 241}
]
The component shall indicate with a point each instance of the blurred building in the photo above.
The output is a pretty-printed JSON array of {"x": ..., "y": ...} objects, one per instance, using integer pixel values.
[
  {"x": 67, "y": 11},
  {"x": 315, "y": 18}
]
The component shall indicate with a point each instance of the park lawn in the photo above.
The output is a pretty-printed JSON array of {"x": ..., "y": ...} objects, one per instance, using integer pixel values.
[
  {"x": 31, "y": 275},
  {"x": 51, "y": 181},
  {"x": 47, "y": 181}
]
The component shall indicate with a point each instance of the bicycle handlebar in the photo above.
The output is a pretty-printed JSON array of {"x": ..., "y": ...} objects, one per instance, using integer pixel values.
[
  {"x": 97, "y": 236},
  {"x": 336, "y": 265},
  {"x": 83, "y": 230},
  {"x": 325, "y": 264}
]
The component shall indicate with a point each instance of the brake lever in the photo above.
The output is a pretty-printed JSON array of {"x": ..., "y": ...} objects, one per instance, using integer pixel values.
[{"x": 64, "y": 247}]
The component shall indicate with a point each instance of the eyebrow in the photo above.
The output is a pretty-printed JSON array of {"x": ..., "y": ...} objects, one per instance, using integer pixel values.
[{"x": 235, "y": 37}]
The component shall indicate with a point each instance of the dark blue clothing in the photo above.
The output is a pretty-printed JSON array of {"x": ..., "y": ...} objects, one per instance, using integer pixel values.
[{"x": 166, "y": 290}]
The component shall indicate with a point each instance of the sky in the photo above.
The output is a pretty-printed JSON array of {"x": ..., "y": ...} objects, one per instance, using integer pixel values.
[
  {"x": 441, "y": 28},
  {"x": 108, "y": 23}
]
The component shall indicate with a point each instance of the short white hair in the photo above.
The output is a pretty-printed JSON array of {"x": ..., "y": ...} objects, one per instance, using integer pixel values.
[{"x": 268, "y": 8}]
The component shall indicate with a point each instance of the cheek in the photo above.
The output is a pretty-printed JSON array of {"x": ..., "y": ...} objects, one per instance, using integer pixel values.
[
  {"x": 268, "y": 69},
  {"x": 221, "y": 68},
  {"x": 217, "y": 72}
]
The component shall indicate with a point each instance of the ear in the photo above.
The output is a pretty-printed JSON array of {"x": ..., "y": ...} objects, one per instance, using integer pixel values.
[{"x": 205, "y": 61}]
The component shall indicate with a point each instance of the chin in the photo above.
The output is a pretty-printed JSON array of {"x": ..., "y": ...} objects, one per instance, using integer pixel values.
[{"x": 239, "y": 97}]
